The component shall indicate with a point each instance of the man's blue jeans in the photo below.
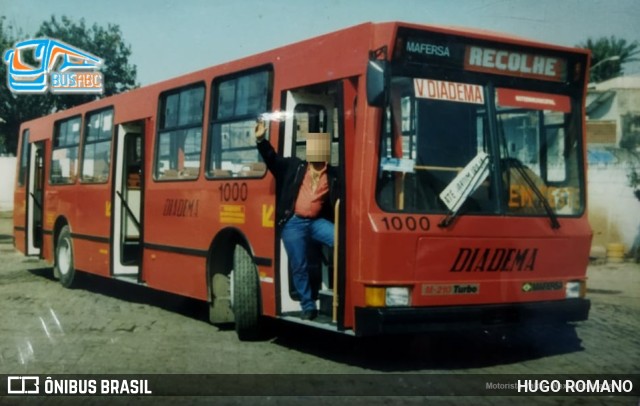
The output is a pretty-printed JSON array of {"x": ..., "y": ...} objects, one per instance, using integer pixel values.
[{"x": 297, "y": 234}]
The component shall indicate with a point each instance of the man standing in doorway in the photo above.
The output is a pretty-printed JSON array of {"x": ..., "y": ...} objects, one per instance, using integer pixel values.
[{"x": 304, "y": 212}]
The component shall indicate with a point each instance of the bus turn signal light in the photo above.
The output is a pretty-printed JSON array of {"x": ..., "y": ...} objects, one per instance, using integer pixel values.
[
  {"x": 390, "y": 296},
  {"x": 374, "y": 296}
]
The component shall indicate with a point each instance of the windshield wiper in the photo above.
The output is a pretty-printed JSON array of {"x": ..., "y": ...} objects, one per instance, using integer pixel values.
[
  {"x": 521, "y": 168},
  {"x": 448, "y": 219}
]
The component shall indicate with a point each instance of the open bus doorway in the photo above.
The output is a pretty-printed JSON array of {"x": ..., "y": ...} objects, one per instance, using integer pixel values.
[
  {"x": 35, "y": 198},
  {"x": 127, "y": 202},
  {"x": 315, "y": 109}
]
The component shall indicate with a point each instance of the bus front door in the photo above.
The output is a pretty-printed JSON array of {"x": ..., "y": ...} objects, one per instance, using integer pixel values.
[
  {"x": 311, "y": 110},
  {"x": 127, "y": 202}
]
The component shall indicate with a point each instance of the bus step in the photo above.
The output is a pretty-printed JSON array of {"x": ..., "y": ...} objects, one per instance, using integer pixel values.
[
  {"x": 326, "y": 302},
  {"x": 131, "y": 278},
  {"x": 131, "y": 252},
  {"x": 321, "y": 319}
]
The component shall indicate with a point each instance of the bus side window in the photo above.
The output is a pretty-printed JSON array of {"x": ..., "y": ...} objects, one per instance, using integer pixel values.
[
  {"x": 24, "y": 158},
  {"x": 236, "y": 102},
  {"x": 96, "y": 156},
  {"x": 64, "y": 156},
  {"x": 179, "y": 141}
]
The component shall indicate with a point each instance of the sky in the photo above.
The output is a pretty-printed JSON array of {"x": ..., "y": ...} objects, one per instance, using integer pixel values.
[{"x": 173, "y": 37}]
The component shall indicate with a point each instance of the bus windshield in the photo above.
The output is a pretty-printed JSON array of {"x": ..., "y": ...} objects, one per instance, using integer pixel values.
[{"x": 454, "y": 146}]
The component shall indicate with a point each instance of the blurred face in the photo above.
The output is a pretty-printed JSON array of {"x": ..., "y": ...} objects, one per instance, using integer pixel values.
[{"x": 318, "y": 147}]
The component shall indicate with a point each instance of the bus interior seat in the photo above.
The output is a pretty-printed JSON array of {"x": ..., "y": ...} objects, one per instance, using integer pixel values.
[
  {"x": 190, "y": 172},
  {"x": 169, "y": 174},
  {"x": 221, "y": 173},
  {"x": 256, "y": 169}
]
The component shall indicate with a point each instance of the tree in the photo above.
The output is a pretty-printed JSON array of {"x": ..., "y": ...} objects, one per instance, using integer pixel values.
[
  {"x": 106, "y": 43},
  {"x": 617, "y": 49}
]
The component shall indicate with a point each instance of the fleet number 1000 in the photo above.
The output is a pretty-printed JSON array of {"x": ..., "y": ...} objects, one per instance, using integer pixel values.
[
  {"x": 233, "y": 192},
  {"x": 410, "y": 223}
]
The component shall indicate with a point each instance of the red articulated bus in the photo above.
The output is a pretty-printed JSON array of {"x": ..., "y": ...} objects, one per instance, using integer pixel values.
[{"x": 461, "y": 159}]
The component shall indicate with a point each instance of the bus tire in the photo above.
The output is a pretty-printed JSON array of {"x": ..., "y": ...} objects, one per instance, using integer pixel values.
[
  {"x": 246, "y": 295},
  {"x": 64, "y": 265}
]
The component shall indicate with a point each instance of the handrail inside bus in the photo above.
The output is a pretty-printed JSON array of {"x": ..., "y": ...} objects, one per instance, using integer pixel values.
[
  {"x": 129, "y": 212},
  {"x": 438, "y": 168},
  {"x": 336, "y": 229},
  {"x": 35, "y": 200}
]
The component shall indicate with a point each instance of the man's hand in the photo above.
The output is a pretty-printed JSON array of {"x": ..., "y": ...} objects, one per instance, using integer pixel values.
[{"x": 260, "y": 130}]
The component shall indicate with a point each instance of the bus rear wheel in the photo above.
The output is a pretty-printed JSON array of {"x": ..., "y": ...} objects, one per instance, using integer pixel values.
[
  {"x": 246, "y": 295},
  {"x": 64, "y": 264}
]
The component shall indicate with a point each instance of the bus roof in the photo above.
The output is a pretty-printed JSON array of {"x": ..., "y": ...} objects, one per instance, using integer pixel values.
[{"x": 291, "y": 61}]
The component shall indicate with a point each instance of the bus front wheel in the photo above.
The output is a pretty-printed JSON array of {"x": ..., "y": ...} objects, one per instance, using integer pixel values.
[
  {"x": 246, "y": 295},
  {"x": 64, "y": 266}
]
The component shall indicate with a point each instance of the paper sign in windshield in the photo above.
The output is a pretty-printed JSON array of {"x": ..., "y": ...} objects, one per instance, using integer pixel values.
[
  {"x": 397, "y": 165},
  {"x": 450, "y": 91},
  {"x": 467, "y": 181},
  {"x": 533, "y": 100}
]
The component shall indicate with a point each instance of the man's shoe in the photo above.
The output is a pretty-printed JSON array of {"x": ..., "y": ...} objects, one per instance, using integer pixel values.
[{"x": 309, "y": 314}]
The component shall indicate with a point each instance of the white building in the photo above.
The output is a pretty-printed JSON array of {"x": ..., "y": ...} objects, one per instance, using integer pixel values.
[
  {"x": 8, "y": 170},
  {"x": 613, "y": 142}
]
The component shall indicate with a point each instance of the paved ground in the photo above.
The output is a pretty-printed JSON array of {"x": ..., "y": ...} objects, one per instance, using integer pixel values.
[{"x": 108, "y": 327}]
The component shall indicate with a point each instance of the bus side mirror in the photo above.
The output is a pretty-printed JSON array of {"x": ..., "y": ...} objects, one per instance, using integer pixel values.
[{"x": 377, "y": 74}]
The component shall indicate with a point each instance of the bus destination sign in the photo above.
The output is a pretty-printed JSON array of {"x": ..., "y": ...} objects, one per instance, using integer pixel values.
[
  {"x": 497, "y": 60},
  {"x": 514, "y": 63}
]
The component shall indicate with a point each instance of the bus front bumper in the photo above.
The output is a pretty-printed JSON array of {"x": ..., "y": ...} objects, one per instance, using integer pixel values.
[{"x": 389, "y": 320}]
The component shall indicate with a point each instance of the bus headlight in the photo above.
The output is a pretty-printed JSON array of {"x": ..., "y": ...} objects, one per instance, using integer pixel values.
[
  {"x": 397, "y": 296},
  {"x": 575, "y": 289},
  {"x": 391, "y": 296}
]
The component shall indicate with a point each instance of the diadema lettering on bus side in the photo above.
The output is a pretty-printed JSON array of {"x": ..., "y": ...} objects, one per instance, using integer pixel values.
[
  {"x": 181, "y": 207},
  {"x": 494, "y": 260}
]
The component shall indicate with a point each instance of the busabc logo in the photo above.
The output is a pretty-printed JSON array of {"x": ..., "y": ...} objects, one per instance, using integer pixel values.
[{"x": 62, "y": 68}]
